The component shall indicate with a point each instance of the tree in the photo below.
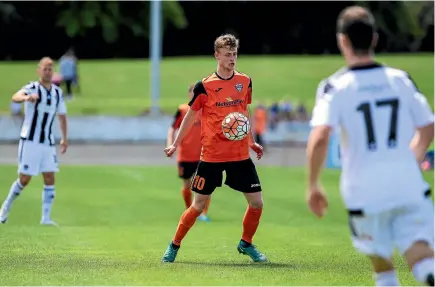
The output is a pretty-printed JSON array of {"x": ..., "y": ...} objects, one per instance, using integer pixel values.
[
  {"x": 78, "y": 17},
  {"x": 8, "y": 14},
  {"x": 403, "y": 22}
]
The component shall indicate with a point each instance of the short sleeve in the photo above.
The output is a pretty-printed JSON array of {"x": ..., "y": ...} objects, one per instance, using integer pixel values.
[
  {"x": 199, "y": 97},
  {"x": 422, "y": 114},
  {"x": 30, "y": 88},
  {"x": 177, "y": 119},
  {"x": 326, "y": 109},
  {"x": 249, "y": 95},
  {"x": 61, "y": 106}
]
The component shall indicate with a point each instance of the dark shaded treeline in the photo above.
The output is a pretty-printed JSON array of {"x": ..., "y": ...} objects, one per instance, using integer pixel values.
[{"x": 284, "y": 27}]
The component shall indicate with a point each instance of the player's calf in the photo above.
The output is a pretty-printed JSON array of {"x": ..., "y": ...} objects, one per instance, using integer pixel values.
[
  {"x": 420, "y": 258},
  {"x": 48, "y": 195},
  {"x": 251, "y": 221},
  {"x": 15, "y": 190}
]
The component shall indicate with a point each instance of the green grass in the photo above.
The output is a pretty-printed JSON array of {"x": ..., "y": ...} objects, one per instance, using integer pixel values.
[
  {"x": 115, "y": 226},
  {"x": 121, "y": 87}
]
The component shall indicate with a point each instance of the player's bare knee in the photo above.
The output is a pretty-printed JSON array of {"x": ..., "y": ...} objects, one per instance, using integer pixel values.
[
  {"x": 255, "y": 200},
  {"x": 200, "y": 201},
  {"x": 186, "y": 184},
  {"x": 381, "y": 264},
  {"x": 48, "y": 178},
  {"x": 24, "y": 179},
  {"x": 256, "y": 204},
  {"x": 417, "y": 252}
]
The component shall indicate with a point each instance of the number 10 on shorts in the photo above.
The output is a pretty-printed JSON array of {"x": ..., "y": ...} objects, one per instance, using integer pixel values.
[{"x": 198, "y": 182}]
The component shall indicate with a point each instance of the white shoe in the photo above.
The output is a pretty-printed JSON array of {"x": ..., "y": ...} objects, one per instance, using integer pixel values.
[
  {"x": 48, "y": 222},
  {"x": 4, "y": 212}
]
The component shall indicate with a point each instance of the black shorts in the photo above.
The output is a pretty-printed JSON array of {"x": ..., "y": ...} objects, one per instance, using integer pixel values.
[
  {"x": 186, "y": 169},
  {"x": 241, "y": 176}
]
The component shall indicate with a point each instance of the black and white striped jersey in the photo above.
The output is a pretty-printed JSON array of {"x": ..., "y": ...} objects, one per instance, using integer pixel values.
[{"x": 39, "y": 116}]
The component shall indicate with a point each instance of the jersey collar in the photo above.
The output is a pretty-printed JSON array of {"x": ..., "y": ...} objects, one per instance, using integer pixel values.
[
  {"x": 217, "y": 75},
  {"x": 373, "y": 65}
]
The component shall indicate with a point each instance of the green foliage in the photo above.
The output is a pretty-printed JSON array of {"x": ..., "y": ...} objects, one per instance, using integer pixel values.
[
  {"x": 8, "y": 13},
  {"x": 109, "y": 17},
  {"x": 404, "y": 22}
]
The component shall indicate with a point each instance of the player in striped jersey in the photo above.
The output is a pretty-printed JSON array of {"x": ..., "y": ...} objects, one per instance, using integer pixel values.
[{"x": 37, "y": 151}]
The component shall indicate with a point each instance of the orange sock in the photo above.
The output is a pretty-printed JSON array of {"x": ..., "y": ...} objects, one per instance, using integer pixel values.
[
  {"x": 186, "y": 222},
  {"x": 250, "y": 223},
  {"x": 206, "y": 207},
  {"x": 187, "y": 196}
]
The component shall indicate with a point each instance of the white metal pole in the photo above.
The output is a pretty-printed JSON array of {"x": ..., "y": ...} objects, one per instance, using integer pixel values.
[{"x": 155, "y": 53}]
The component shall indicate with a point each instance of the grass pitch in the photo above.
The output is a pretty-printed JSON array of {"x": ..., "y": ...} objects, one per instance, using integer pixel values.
[
  {"x": 122, "y": 87},
  {"x": 115, "y": 223}
]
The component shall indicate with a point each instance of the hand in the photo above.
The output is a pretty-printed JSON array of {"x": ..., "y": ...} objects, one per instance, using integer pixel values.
[
  {"x": 258, "y": 149},
  {"x": 32, "y": 98},
  {"x": 63, "y": 146},
  {"x": 170, "y": 150},
  {"x": 317, "y": 201}
]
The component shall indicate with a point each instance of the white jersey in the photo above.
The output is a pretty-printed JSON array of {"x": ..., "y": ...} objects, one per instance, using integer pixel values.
[
  {"x": 39, "y": 116},
  {"x": 376, "y": 110}
]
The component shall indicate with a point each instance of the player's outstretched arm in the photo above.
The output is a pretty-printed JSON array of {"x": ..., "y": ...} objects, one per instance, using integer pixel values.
[
  {"x": 21, "y": 96},
  {"x": 185, "y": 126},
  {"x": 171, "y": 136}
]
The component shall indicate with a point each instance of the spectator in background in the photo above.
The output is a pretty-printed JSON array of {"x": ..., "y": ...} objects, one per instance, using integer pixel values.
[
  {"x": 260, "y": 123},
  {"x": 57, "y": 79},
  {"x": 301, "y": 113},
  {"x": 68, "y": 71},
  {"x": 273, "y": 115},
  {"x": 286, "y": 110}
]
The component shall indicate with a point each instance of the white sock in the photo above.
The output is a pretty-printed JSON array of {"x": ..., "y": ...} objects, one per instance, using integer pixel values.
[
  {"x": 387, "y": 278},
  {"x": 422, "y": 269},
  {"x": 15, "y": 191},
  {"x": 47, "y": 201}
]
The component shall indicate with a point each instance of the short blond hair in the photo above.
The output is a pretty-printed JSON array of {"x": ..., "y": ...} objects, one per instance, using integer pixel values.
[{"x": 226, "y": 41}]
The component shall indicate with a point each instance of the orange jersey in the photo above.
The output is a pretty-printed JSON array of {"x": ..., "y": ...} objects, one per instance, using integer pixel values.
[
  {"x": 217, "y": 97},
  {"x": 260, "y": 120},
  {"x": 189, "y": 149}
]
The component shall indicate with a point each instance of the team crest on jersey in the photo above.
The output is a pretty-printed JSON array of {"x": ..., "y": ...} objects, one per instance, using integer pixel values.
[{"x": 239, "y": 87}]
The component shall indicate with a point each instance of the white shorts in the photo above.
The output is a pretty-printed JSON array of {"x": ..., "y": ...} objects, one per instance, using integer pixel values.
[
  {"x": 35, "y": 158},
  {"x": 379, "y": 234}
]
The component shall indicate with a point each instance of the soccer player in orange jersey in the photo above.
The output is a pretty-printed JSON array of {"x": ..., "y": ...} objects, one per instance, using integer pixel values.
[
  {"x": 223, "y": 92},
  {"x": 189, "y": 152}
]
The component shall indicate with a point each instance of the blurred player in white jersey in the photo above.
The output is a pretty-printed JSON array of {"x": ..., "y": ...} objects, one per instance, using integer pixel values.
[
  {"x": 37, "y": 151},
  {"x": 386, "y": 126}
]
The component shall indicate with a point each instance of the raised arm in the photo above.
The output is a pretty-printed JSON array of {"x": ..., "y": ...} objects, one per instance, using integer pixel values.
[{"x": 26, "y": 93}]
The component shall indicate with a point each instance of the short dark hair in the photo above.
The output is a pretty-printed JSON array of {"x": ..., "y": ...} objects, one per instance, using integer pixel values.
[{"x": 358, "y": 24}]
